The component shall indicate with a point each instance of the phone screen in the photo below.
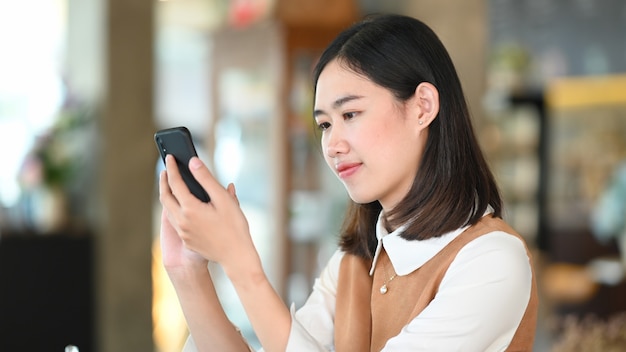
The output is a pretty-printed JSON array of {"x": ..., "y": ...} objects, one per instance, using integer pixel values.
[{"x": 177, "y": 141}]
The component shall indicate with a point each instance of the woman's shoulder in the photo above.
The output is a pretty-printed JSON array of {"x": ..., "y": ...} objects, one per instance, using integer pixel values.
[
  {"x": 330, "y": 272},
  {"x": 497, "y": 235},
  {"x": 500, "y": 249},
  {"x": 497, "y": 240}
]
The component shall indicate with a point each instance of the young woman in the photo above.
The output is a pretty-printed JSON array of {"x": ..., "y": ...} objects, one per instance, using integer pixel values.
[{"x": 425, "y": 262}]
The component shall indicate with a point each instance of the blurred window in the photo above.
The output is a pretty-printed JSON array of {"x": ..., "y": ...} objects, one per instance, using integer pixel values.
[{"x": 31, "y": 90}]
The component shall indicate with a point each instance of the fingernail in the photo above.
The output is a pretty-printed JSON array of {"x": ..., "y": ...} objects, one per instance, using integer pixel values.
[{"x": 195, "y": 163}]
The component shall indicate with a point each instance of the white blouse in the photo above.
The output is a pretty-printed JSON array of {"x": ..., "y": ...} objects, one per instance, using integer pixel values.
[{"x": 480, "y": 303}]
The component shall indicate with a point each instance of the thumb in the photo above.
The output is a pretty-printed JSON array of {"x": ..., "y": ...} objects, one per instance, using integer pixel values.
[{"x": 231, "y": 190}]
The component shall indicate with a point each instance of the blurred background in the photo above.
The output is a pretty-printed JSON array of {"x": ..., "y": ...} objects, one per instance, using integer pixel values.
[{"x": 84, "y": 84}]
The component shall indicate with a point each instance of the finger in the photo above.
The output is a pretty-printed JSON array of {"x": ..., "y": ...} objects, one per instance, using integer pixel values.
[
  {"x": 233, "y": 192},
  {"x": 205, "y": 178},
  {"x": 169, "y": 202},
  {"x": 175, "y": 181},
  {"x": 166, "y": 197}
]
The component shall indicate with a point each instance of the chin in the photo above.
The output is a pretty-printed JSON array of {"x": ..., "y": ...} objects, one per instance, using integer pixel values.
[{"x": 361, "y": 198}]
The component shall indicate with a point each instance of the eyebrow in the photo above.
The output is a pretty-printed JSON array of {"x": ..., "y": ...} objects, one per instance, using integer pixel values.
[{"x": 338, "y": 103}]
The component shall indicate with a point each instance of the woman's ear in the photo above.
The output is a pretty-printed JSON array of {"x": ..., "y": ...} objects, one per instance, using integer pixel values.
[{"x": 427, "y": 102}]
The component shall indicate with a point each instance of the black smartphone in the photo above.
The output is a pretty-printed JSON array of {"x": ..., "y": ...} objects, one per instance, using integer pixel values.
[{"x": 177, "y": 141}]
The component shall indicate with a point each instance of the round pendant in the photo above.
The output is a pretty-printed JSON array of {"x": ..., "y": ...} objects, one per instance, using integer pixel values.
[{"x": 383, "y": 289}]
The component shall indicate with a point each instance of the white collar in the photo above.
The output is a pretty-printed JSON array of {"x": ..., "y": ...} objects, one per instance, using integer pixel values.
[{"x": 407, "y": 256}]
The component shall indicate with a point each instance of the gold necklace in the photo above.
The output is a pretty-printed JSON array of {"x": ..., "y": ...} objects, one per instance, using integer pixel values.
[{"x": 383, "y": 289}]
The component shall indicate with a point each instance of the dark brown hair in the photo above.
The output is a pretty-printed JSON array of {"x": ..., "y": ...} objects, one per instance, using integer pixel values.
[{"x": 453, "y": 186}]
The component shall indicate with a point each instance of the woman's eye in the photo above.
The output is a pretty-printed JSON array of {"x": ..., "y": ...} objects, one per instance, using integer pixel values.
[
  {"x": 349, "y": 115},
  {"x": 323, "y": 126}
]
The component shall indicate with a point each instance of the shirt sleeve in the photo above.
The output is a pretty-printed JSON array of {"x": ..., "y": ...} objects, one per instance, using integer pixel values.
[
  {"x": 480, "y": 302},
  {"x": 312, "y": 327}
]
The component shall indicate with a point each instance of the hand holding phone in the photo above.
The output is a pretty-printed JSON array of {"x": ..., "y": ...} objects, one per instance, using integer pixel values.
[{"x": 177, "y": 141}]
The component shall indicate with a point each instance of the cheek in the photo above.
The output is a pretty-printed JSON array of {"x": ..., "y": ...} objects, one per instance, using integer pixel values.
[
  {"x": 377, "y": 138},
  {"x": 390, "y": 143},
  {"x": 323, "y": 143},
  {"x": 324, "y": 148}
]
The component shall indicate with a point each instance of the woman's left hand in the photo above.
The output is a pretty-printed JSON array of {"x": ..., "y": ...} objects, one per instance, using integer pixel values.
[{"x": 217, "y": 230}]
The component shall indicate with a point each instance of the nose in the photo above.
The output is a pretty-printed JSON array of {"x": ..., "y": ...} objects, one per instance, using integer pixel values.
[{"x": 334, "y": 143}]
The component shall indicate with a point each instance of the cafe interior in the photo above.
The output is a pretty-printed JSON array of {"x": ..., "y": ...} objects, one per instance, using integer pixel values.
[{"x": 84, "y": 85}]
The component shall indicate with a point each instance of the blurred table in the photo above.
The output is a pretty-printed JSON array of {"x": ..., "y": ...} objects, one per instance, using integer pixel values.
[{"x": 571, "y": 252}]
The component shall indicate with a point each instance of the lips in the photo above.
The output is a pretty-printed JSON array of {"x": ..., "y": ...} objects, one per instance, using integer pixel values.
[{"x": 345, "y": 170}]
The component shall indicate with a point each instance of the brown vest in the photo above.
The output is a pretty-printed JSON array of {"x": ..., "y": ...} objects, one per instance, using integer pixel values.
[{"x": 365, "y": 319}]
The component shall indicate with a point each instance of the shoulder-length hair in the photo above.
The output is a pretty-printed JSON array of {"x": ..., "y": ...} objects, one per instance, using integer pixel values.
[{"x": 453, "y": 186}]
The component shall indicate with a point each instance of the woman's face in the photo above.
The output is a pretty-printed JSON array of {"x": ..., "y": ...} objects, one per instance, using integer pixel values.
[{"x": 371, "y": 140}]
